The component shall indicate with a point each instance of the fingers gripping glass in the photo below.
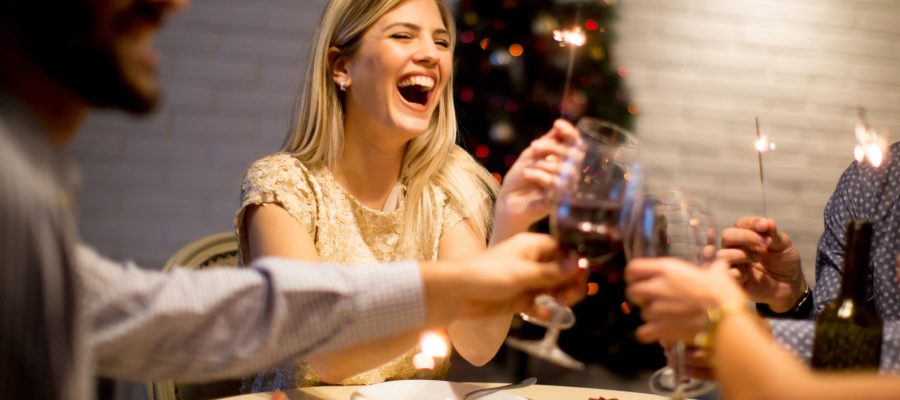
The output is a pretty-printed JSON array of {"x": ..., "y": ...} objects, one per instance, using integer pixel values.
[
  {"x": 668, "y": 223},
  {"x": 598, "y": 181}
]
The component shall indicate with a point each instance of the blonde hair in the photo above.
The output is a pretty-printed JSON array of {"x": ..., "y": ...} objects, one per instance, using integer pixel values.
[{"x": 432, "y": 161}]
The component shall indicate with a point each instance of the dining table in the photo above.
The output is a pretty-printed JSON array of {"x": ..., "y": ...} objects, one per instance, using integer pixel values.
[{"x": 534, "y": 392}]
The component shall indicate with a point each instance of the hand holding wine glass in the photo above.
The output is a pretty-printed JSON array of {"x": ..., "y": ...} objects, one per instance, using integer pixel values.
[
  {"x": 596, "y": 184},
  {"x": 668, "y": 223},
  {"x": 525, "y": 194}
]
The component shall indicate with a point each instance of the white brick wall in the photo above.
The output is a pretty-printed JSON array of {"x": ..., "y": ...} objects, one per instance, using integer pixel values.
[
  {"x": 230, "y": 71},
  {"x": 700, "y": 70}
]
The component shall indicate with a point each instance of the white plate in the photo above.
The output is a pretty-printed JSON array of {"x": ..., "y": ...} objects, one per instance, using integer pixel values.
[{"x": 424, "y": 390}]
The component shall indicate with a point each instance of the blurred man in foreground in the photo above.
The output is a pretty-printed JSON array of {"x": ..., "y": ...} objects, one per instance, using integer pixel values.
[{"x": 65, "y": 310}]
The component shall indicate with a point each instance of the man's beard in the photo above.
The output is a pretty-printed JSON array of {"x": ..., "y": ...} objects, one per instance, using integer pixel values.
[
  {"x": 65, "y": 43},
  {"x": 98, "y": 78}
]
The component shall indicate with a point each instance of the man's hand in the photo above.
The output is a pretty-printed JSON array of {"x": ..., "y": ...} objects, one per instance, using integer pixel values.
[
  {"x": 766, "y": 262},
  {"x": 500, "y": 280}
]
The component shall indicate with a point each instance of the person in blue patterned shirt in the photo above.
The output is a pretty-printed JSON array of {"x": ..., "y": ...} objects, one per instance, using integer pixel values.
[
  {"x": 768, "y": 267},
  {"x": 770, "y": 270}
]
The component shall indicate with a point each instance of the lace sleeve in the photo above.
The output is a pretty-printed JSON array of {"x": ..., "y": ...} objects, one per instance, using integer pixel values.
[
  {"x": 282, "y": 180},
  {"x": 451, "y": 212}
]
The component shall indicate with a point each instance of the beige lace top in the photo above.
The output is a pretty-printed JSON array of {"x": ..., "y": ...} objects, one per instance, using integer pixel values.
[{"x": 345, "y": 232}]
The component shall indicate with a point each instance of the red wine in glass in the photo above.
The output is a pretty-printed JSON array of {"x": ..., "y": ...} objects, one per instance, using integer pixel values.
[{"x": 588, "y": 232}]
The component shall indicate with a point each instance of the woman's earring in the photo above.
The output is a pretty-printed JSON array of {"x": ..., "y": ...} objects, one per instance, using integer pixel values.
[{"x": 343, "y": 86}]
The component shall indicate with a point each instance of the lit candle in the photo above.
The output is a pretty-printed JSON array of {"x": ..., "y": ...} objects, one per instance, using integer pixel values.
[{"x": 433, "y": 345}]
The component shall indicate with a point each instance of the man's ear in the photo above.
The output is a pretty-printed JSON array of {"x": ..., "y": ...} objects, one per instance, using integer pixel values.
[{"x": 340, "y": 67}]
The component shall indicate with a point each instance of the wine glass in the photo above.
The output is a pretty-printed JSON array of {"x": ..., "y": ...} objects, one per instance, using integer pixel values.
[
  {"x": 669, "y": 223},
  {"x": 598, "y": 180}
]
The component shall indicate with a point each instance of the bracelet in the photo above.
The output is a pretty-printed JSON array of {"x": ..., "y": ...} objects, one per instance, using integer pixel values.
[
  {"x": 801, "y": 310},
  {"x": 715, "y": 316}
]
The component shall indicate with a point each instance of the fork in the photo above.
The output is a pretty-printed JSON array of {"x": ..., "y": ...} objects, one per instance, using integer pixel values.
[{"x": 477, "y": 394}]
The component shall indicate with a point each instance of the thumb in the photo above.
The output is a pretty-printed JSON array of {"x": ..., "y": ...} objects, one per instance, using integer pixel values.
[
  {"x": 778, "y": 240},
  {"x": 720, "y": 266},
  {"x": 534, "y": 246}
]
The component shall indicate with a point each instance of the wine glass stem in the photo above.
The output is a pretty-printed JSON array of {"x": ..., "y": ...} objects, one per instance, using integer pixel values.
[
  {"x": 552, "y": 334},
  {"x": 679, "y": 362}
]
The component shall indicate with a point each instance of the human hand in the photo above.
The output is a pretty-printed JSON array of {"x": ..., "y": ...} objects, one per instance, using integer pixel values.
[
  {"x": 523, "y": 197},
  {"x": 766, "y": 262},
  {"x": 279, "y": 395},
  {"x": 674, "y": 296},
  {"x": 500, "y": 280}
]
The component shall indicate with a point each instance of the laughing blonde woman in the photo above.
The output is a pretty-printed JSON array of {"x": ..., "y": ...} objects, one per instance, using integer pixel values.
[{"x": 370, "y": 173}]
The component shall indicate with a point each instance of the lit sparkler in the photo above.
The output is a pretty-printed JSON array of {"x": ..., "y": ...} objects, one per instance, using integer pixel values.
[
  {"x": 871, "y": 144},
  {"x": 573, "y": 38},
  {"x": 762, "y": 145}
]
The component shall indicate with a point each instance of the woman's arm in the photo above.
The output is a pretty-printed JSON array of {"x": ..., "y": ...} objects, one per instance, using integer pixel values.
[
  {"x": 478, "y": 339},
  {"x": 751, "y": 366},
  {"x": 272, "y": 231}
]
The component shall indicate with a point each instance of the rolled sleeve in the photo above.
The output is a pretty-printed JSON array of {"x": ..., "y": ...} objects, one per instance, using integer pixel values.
[{"x": 197, "y": 325}]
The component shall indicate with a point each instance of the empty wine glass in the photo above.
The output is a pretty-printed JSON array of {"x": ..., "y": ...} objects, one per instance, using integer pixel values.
[
  {"x": 592, "y": 208},
  {"x": 669, "y": 223}
]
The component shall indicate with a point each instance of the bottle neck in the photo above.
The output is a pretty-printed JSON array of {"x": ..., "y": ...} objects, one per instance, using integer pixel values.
[{"x": 856, "y": 260}]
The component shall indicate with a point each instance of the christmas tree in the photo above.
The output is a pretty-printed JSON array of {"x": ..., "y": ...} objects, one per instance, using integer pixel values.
[
  {"x": 511, "y": 75},
  {"x": 511, "y": 72}
]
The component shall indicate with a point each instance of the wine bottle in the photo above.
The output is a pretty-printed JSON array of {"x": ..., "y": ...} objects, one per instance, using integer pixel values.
[{"x": 849, "y": 330}]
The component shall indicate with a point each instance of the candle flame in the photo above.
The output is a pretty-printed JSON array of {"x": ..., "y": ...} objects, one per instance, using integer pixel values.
[
  {"x": 423, "y": 361},
  {"x": 432, "y": 344},
  {"x": 574, "y": 37}
]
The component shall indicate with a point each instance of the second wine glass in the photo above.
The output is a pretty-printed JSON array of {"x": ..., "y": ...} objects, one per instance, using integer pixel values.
[{"x": 669, "y": 223}]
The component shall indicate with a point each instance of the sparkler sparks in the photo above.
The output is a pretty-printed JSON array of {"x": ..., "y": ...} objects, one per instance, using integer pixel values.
[
  {"x": 871, "y": 144},
  {"x": 575, "y": 38},
  {"x": 763, "y": 144}
]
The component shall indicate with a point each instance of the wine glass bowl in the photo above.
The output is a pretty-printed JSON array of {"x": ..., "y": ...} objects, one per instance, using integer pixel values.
[
  {"x": 597, "y": 182},
  {"x": 670, "y": 223},
  {"x": 593, "y": 201}
]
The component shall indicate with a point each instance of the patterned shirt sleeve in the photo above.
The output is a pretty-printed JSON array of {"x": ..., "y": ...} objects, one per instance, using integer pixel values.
[{"x": 214, "y": 323}]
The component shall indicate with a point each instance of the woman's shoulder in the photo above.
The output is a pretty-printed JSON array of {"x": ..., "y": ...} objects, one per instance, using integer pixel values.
[
  {"x": 278, "y": 162},
  {"x": 280, "y": 172},
  {"x": 280, "y": 166}
]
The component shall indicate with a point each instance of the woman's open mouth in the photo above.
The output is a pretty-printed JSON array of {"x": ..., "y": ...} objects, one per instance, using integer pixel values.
[{"x": 416, "y": 89}]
